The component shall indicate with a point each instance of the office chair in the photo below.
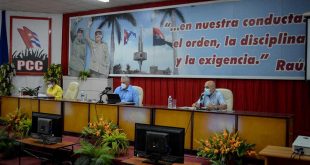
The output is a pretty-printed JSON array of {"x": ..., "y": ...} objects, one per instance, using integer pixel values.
[
  {"x": 228, "y": 96},
  {"x": 72, "y": 91},
  {"x": 140, "y": 91}
]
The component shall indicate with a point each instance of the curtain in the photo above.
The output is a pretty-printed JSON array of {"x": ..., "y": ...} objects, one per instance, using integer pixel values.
[{"x": 272, "y": 96}]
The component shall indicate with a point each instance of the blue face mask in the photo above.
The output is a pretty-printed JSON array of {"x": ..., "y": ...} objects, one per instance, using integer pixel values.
[
  {"x": 123, "y": 85},
  {"x": 207, "y": 91}
]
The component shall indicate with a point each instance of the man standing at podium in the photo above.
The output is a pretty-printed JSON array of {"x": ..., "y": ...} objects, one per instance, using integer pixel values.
[{"x": 211, "y": 98}]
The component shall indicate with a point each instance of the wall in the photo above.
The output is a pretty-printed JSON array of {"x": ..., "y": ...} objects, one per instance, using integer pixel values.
[
  {"x": 34, "y": 81},
  {"x": 272, "y": 96}
]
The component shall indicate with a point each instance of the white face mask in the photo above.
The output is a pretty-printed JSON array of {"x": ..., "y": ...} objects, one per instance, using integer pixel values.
[
  {"x": 49, "y": 85},
  {"x": 123, "y": 85},
  {"x": 207, "y": 91}
]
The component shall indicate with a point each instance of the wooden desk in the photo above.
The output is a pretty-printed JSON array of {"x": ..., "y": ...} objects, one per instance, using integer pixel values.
[
  {"x": 258, "y": 128},
  {"x": 139, "y": 161},
  {"x": 282, "y": 155},
  {"x": 31, "y": 146}
]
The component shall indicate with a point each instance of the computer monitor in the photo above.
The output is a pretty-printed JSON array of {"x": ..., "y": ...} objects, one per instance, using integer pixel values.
[
  {"x": 159, "y": 144},
  {"x": 47, "y": 128}
]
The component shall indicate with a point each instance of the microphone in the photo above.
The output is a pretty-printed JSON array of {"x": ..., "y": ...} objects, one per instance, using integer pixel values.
[
  {"x": 37, "y": 88},
  {"x": 202, "y": 96},
  {"x": 106, "y": 90},
  {"x": 201, "y": 99}
]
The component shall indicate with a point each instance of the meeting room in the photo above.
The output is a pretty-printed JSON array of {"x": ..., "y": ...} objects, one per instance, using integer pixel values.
[{"x": 140, "y": 82}]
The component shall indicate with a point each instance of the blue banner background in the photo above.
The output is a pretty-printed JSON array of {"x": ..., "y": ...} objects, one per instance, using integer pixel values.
[{"x": 162, "y": 56}]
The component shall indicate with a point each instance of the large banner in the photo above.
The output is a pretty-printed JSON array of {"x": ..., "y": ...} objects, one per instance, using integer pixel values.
[
  {"x": 30, "y": 46},
  {"x": 247, "y": 39}
]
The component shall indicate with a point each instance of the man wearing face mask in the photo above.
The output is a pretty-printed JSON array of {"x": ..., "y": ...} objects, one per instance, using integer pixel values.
[
  {"x": 211, "y": 98},
  {"x": 126, "y": 92},
  {"x": 54, "y": 90}
]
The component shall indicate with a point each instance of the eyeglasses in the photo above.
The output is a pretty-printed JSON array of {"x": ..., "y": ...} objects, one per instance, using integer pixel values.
[{"x": 207, "y": 87}]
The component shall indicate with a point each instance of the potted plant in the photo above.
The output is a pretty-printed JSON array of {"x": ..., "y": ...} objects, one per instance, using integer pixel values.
[
  {"x": 83, "y": 75},
  {"x": 29, "y": 91},
  {"x": 91, "y": 154},
  {"x": 7, "y": 72},
  {"x": 104, "y": 133},
  {"x": 18, "y": 124},
  {"x": 117, "y": 140},
  {"x": 8, "y": 145},
  {"x": 54, "y": 72},
  {"x": 225, "y": 148}
]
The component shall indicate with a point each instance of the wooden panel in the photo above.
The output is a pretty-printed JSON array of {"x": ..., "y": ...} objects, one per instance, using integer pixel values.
[
  {"x": 75, "y": 117},
  {"x": 283, "y": 156},
  {"x": 262, "y": 131},
  {"x": 48, "y": 106},
  {"x": 128, "y": 116},
  {"x": 28, "y": 106},
  {"x": 175, "y": 119},
  {"x": 8, "y": 105},
  {"x": 206, "y": 124},
  {"x": 106, "y": 112}
]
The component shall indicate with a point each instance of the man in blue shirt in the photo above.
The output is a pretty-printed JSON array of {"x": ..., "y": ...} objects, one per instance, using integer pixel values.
[
  {"x": 211, "y": 98},
  {"x": 126, "y": 92}
]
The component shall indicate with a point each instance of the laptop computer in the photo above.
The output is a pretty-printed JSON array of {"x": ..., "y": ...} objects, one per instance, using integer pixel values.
[{"x": 113, "y": 98}]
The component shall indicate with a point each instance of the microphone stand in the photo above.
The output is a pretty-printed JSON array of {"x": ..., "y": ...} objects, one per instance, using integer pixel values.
[
  {"x": 101, "y": 94},
  {"x": 104, "y": 92}
]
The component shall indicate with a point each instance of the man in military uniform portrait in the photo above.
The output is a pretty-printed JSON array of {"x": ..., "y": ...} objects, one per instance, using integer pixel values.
[
  {"x": 78, "y": 54},
  {"x": 99, "y": 58}
]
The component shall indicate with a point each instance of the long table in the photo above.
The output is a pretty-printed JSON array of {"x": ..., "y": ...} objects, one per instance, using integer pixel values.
[{"x": 261, "y": 129}]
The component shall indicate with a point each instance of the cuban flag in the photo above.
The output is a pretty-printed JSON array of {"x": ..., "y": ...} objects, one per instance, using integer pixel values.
[
  {"x": 29, "y": 37},
  {"x": 127, "y": 35},
  {"x": 159, "y": 38}
]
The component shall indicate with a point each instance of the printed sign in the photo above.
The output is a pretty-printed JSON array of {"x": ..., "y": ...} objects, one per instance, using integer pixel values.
[
  {"x": 245, "y": 39},
  {"x": 30, "y": 44}
]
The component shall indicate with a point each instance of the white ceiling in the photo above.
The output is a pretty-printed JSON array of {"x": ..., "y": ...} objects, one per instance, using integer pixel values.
[{"x": 64, "y": 6}]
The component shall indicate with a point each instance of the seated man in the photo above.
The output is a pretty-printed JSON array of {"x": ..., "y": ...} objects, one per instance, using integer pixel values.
[
  {"x": 54, "y": 90},
  {"x": 126, "y": 92},
  {"x": 211, "y": 98}
]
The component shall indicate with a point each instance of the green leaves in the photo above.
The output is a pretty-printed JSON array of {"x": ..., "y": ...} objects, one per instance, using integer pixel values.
[
  {"x": 7, "y": 72},
  {"x": 8, "y": 146},
  {"x": 83, "y": 75},
  {"x": 117, "y": 140},
  {"x": 19, "y": 123},
  {"x": 94, "y": 155},
  {"x": 105, "y": 141},
  {"x": 54, "y": 72},
  {"x": 29, "y": 91}
]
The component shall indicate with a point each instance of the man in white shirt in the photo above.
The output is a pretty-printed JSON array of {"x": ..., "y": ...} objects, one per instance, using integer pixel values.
[{"x": 211, "y": 98}]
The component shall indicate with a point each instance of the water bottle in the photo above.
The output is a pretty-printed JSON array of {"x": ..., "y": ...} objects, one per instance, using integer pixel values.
[
  {"x": 82, "y": 95},
  {"x": 20, "y": 93},
  {"x": 170, "y": 102}
]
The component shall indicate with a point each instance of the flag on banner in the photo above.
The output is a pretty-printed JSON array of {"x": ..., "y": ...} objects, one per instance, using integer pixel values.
[
  {"x": 127, "y": 35},
  {"x": 29, "y": 37},
  {"x": 159, "y": 38},
  {"x": 4, "y": 51}
]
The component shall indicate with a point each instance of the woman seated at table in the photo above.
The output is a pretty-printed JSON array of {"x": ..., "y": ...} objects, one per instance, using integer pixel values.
[{"x": 54, "y": 90}]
